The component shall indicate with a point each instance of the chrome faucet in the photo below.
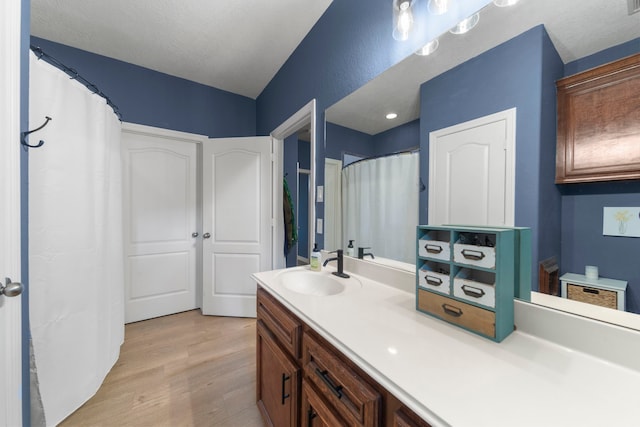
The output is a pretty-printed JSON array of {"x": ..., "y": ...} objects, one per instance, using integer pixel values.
[
  {"x": 362, "y": 254},
  {"x": 340, "y": 259}
]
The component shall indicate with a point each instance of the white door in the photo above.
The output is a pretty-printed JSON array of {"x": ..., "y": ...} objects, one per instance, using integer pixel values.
[
  {"x": 471, "y": 172},
  {"x": 237, "y": 221},
  {"x": 333, "y": 205},
  {"x": 10, "y": 320},
  {"x": 160, "y": 174}
]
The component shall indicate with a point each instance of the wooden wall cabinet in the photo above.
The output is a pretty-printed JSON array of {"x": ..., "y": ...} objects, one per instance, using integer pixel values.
[
  {"x": 599, "y": 123},
  {"x": 302, "y": 380}
]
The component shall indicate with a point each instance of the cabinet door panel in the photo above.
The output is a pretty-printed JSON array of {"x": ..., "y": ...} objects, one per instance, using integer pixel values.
[
  {"x": 286, "y": 327},
  {"x": 278, "y": 380},
  {"x": 315, "y": 411}
]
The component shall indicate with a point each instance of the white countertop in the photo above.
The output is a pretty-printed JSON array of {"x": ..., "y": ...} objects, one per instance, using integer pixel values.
[{"x": 451, "y": 377}]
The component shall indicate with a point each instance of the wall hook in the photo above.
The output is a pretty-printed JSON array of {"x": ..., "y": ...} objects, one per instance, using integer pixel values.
[{"x": 23, "y": 135}]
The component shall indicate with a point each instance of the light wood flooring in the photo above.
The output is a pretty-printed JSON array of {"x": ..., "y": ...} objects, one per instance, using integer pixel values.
[{"x": 180, "y": 370}]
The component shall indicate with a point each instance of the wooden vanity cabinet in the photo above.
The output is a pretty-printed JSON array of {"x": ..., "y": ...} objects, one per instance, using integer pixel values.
[
  {"x": 303, "y": 380},
  {"x": 599, "y": 123},
  {"x": 277, "y": 365}
]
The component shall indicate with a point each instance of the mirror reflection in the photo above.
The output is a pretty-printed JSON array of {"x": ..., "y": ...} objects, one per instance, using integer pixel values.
[{"x": 510, "y": 60}]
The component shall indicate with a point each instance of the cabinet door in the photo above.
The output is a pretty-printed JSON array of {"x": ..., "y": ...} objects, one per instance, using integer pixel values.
[
  {"x": 401, "y": 418},
  {"x": 278, "y": 380},
  {"x": 315, "y": 411}
]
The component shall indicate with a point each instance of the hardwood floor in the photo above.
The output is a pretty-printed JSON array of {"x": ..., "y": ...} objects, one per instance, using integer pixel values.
[{"x": 180, "y": 370}]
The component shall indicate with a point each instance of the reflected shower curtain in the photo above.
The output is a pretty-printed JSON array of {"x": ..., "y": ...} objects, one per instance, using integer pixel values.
[
  {"x": 380, "y": 205},
  {"x": 76, "y": 282}
]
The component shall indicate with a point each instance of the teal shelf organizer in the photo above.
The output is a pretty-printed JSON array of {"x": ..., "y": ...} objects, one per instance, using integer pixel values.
[{"x": 469, "y": 276}]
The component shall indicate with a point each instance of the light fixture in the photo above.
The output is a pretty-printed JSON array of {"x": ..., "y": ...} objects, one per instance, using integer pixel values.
[
  {"x": 402, "y": 19},
  {"x": 391, "y": 116},
  {"x": 428, "y": 48},
  {"x": 505, "y": 3},
  {"x": 466, "y": 24},
  {"x": 438, "y": 7}
]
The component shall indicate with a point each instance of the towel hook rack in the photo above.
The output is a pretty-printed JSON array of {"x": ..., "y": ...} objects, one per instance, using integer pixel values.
[{"x": 23, "y": 135}]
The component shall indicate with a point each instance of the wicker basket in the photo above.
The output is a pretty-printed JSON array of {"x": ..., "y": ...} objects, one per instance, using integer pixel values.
[{"x": 601, "y": 297}]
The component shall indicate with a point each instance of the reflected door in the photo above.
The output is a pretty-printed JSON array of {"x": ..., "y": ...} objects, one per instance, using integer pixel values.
[
  {"x": 471, "y": 172},
  {"x": 237, "y": 191}
]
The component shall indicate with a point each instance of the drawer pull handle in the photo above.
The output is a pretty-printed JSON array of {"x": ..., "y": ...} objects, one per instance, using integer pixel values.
[
  {"x": 433, "y": 249},
  {"x": 285, "y": 377},
  {"x": 311, "y": 414},
  {"x": 472, "y": 255},
  {"x": 591, "y": 291},
  {"x": 433, "y": 281},
  {"x": 472, "y": 292},
  {"x": 324, "y": 375},
  {"x": 451, "y": 310}
]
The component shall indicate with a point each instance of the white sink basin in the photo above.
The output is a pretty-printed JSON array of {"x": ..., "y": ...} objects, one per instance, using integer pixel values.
[{"x": 315, "y": 283}]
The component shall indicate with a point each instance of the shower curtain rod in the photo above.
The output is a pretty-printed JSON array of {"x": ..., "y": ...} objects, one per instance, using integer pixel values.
[
  {"x": 396, "y": 153},
  {"x": 75, "y": 75}
]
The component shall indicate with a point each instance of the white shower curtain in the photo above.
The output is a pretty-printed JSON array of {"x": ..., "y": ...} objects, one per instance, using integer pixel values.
[
  {"x": 76, "y": 281},
  {"x": 380, "y": 205}
]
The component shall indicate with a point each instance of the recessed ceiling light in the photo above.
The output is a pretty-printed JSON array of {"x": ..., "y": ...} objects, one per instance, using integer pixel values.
[
  {"x": 466, "y": 25},
  {"x": 391, "y": 116},
  {"x": 428, "y": 48},
  {"x": 505, "y": 3},
  {"x": 438, "y": 7}
]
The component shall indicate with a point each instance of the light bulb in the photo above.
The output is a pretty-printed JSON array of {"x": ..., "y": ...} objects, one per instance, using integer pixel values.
[
  {"x": 505, "y": 3},
  {"x": 403, "y": 19},
  {"x": 391, "y": 116},
  {"x": 428, "y": 48},
  {"x": 466, "y": 25},
  {"x": 439, "y": 7}
]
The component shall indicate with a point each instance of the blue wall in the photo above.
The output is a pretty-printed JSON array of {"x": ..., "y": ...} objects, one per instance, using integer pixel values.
[
  {"x": 582, "y": 206},
  {"x": 399, "y": 138},
  {"x": 152, "y": 98},
  {"x": 341, "y": 140},
  {"x": 509, "y": 75},
  {"x": 25, "y": 29}
]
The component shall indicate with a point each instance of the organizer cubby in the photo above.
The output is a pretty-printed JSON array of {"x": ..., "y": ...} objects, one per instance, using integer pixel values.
[{"x": 469, "y": 276}]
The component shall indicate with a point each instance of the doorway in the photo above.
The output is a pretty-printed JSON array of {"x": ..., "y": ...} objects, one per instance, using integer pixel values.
[{"x": 305, "y": 118}]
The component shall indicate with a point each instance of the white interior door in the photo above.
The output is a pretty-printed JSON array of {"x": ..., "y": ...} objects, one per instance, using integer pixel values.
[
  {"x": 237, "y": 221},
  {"x": 333, "y": 205},
  {"x": 10, "y": 320},
  {"x": 471, "y": 172},
  {"x": 160, "y": 174}
]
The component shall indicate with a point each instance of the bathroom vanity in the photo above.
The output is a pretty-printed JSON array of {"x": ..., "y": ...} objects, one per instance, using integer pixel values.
[{"x": 356, "y": 352}]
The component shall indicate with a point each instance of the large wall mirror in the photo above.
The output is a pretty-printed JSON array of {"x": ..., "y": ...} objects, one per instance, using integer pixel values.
[{"x": 375, "y": 197}]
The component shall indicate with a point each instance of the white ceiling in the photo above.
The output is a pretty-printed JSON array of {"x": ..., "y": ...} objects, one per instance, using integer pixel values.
[
  {"x": 578, "y": 28},
  {"x": 237, "y": 46}
]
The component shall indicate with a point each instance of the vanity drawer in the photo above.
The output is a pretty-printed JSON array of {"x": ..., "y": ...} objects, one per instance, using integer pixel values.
[
  {"x": 286, "y": 327},
  {"x": 479, "y": 256},
  {"x": 477, "y": 286},
  {"x": 351, "y": 396},
  {"x": 436, "y": 281},
  {"x": 459, "y": 313},
  {"x": 434, "y": 249}
]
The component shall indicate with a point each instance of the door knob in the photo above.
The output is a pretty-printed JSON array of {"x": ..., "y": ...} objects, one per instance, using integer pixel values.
[
  {"x": 10, "y": 289},
  {"x": 194, "y": 234},
  {"x": 206, "y": 235}
]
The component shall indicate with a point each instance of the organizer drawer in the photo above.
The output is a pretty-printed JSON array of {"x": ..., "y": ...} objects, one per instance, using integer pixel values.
[
  {"x": 434, "y": 280},
  {"x": 435, "y": 249},
  {"x": 476, "y": 286},
  {"x": 479, "y": 256},
  {"x": 459, "y": 313}
]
